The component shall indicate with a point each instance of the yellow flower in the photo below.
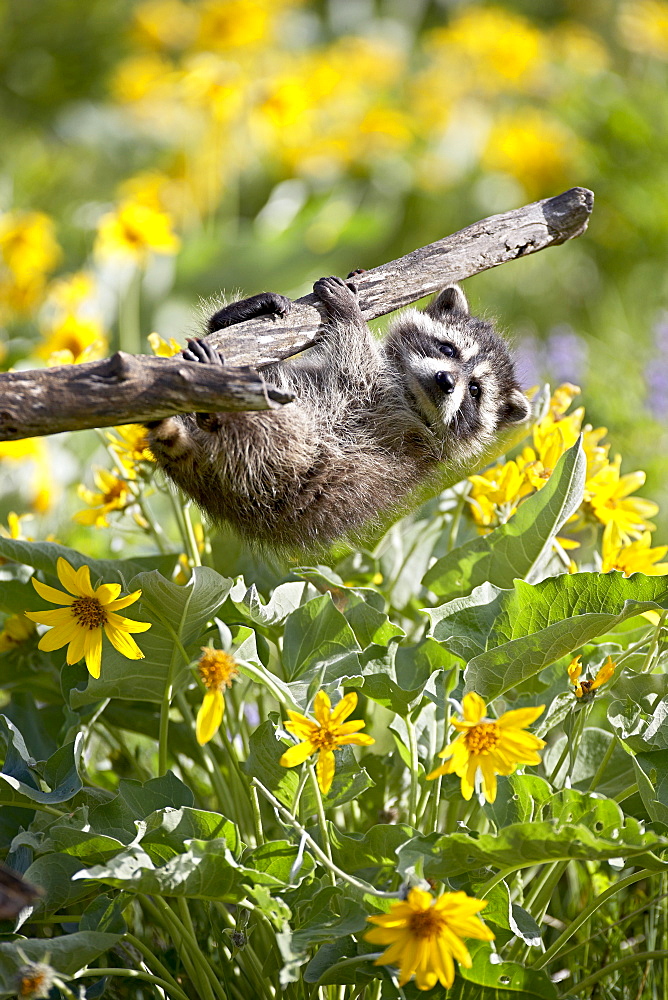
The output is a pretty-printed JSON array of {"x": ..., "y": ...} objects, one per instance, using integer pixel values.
[
  {"x": 72, "y": 340},
  {"x": 114, "y": 494},
  {"x": 324, "y": 735},
  {"x": 493, "y": 746},
  {"x": 424, "y": 935},
  {"x": 130, "y": 445},
  {"x": 17, "y": 629},
  {"x": 28, "y": 252},
  {"x": 643, "y": 27},
  {"x": 163, "y": 348},
  {"x": 35, "y": 450},
  {"x": 134, "y": 230},
  {"x": 495, "y": 494},
  {"x": 608, "y": 495},
  {"x": 86, "y": 613},
  {"x": 635, "y": 557},
  {"x": 165, "y": 24},
  {"x": 231, "y": 24},
  {"x": 535, "y": 149},
  {"x": 217, "y": 670},
  {"x": 584, "y": 689}
]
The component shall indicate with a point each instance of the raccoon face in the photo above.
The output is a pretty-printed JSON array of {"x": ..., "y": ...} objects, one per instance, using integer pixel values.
[{"x": 458, "y": 372}]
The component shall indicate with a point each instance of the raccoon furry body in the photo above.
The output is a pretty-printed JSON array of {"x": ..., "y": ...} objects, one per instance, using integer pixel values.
[{"x": 372, "y": 421}]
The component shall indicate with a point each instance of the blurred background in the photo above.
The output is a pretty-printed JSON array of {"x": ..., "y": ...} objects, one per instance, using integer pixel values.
[{"x": 156, "y": 152}]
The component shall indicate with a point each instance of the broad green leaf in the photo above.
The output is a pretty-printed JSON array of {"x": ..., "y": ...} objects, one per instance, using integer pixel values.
[
  {"x": 283, "y": 600},
  {"x": 45, "y": 555},
  {"x": 525, "y": 844},
  {"x": 61, "y": 772},
  {"x": 641, "y": 730},
  {"x": 168, "y": 829},
  {"x": 332, "y": 916},
  {"x": 135, "y": 801},
  {"x": 67, "y": 954},
  {"x": 519, "y": 799},
  {"x": 377, "y": 848},
  {"x": 205, "y": 870},
  {"x": 350, "y": 780},
  {"x": 651, "y": 770},
  {"x": 173, "y": 610},
  {"x": 278, "y": 864},
  {"x": 506, "y": 977},
  {"x": 316, "y": 634},
  {"x": 265, "y": 751},
  {"x": 501, "y": 910},
  {"x": 515, "y": 548},
  {"x": 509, "y": 635},
  {"x": 105, "y": 914},
  {"x": 53, "y": 873}
]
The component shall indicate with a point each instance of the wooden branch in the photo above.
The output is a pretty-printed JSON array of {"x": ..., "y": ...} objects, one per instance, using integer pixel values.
[{"x": 134, "y": 389}]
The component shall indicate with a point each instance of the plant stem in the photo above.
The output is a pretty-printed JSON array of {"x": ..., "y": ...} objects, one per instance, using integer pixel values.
[
  {"x": 151, "y": 960},
  {"x": 165, "y": 707},
  {"x": 322, "y": 822},
  {"x": 639, "y": 956},
  {"x": 317, "y": 850},
  {"x": 582, "y": 917},
  {"x": 190, "y": 534},
  {"x": 134, "y": 974},
  {"x": 413, "y": 791},
  {"x": 600, "y": 771}
]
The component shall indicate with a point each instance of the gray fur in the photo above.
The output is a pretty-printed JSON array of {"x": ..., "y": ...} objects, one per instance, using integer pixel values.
[{"x": 369, "y": 425}]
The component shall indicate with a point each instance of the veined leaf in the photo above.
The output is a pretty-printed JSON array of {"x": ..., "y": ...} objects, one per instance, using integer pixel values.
[{"x": 515, "y": 548}]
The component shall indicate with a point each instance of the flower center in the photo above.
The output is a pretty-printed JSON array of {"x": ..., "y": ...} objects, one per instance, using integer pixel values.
[
  {"x": 216, "y": 668},
  {"x": 324, "y": 739},
  {"x": 88, "y": 612},
  {"x": 426, "y": 923},
  {"x": 482, "y": 738}
]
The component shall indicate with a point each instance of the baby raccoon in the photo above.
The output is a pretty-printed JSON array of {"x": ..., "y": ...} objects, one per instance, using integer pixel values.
[{"x": 371, "y": 423}]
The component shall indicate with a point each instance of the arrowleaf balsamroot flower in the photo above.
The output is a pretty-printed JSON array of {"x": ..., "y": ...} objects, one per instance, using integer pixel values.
[
  {"x": 323, "y": 736},
  {"x": 424, "y": 935},
  {"x": 493, "y": 746},
  {"x": 585, "y": 689},
  {"x": 217, "y": 670},
  {"x": 86, "y": 614}
]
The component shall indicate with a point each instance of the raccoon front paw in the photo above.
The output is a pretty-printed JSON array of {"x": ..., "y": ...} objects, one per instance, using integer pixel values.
[
  {"x": 339, "y": 298},
  {"x": 202, "y": 351}
]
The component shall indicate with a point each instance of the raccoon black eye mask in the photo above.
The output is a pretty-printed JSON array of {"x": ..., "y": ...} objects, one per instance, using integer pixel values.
[{"x": 370, "y": 422}]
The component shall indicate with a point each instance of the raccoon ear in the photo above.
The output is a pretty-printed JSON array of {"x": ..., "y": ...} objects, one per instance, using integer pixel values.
[
  {"x": 450, "y": 300},
  {"x": 516, "y": 408}
]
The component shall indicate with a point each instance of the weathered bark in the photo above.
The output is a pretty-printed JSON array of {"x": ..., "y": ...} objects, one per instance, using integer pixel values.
[{"x": 133, "y": 389}]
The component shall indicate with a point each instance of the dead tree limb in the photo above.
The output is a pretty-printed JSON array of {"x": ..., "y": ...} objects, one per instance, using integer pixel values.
[{"x": 133, "y": 389}]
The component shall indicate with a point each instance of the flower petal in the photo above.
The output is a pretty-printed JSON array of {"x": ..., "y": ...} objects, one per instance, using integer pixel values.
[
  {"x": 298, "y": 754},
  {"x": 126, "y": 624},
  {"x": 107, "y": 592},
  {"x": 210, "y": 716},
  {"x": 51, "y": 594},
  {"x": 57, "y": 637},
  {"x": 93, "y": 651},
  {"x": 124, "y": 643},
  {"x": 324, "y": 769},
  {"x": 84, "y": 586},
  {"x": 519, "y": 717},
  {"x": 347, "y": 705},
  {"x": 77, "y": 645},
  {"x": 58, "y": 616},
  {"x": 473, "y": 707},
  {"x": 123, "y": 602},
  {"x": 321, "y": 707},
  {"x": 67, "y": 576}
]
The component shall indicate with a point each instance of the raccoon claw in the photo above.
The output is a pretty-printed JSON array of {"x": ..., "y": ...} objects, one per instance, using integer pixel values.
[
  {"x": 358, "y": 270},
  {"x": 200, "y": 350},
  {"x": 338, "y": 297}
]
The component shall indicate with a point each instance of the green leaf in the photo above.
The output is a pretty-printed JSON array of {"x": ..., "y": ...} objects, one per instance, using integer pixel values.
[
  {"x": 396, "y": 676},
  {"x": 651, "y": 771},
  {"x": 265, "y": 751},
  {"x": 205, "y": 870},
  {"x": 377, "y": 848},
  {"x": 508, "y": 636},
  {"x": 67, "y": 954},
  {"x": 515, "y": 548},
  {"x": 350, "y": 780},
  {"x": 316, "y": 634},
  {"x": 278, "y": 864},
  {"x": 537, "y": 842},
  {"x": 173, "y": 610},
  {"x": 284, "y": 599},
  {"x": 639, "y": 729},
  {"x": 53, "y": 873},
  {"x": 44, "y": 556},
  {"x": 505, "y": 976},
  {"x": 135, "y": 801},
  {"x": 17, "y": 782},
  {"x": 168, "y": 829}
]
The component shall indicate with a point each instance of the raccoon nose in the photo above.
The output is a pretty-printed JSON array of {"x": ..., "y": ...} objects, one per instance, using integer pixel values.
[{"x": 446, "y": 381}]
